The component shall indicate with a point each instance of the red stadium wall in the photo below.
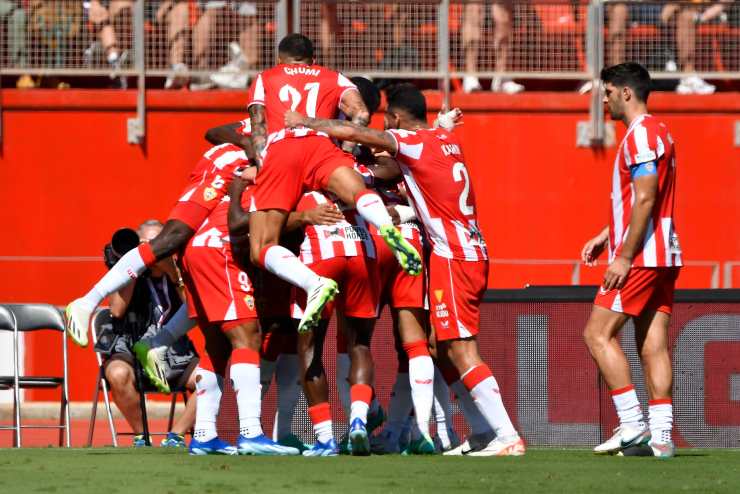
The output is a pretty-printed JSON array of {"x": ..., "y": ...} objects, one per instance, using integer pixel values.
[{"x": 69, "y": 179}]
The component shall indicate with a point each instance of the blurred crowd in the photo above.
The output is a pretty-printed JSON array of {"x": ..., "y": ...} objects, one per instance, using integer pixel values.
[{"x": 205, "y": 44}]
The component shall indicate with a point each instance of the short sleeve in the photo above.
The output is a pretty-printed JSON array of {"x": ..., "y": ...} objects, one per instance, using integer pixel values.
[
  {"x": 644, "y": 146},
  {"x": 256, "y": 93},
  {"x": 408, "y": 144}
]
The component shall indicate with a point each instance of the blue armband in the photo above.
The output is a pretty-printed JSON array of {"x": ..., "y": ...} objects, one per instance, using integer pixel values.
[{"x": 643, "y": 169}]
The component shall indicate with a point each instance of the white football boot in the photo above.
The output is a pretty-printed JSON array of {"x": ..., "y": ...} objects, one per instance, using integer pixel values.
[
  {"x": 502, "y": 446},
  {"x": 77, "y": 319},
  {"x": 625, "y": 435}
]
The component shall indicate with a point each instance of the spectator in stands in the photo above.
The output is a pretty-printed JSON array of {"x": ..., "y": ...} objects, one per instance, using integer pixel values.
[
  {"x": 174, "y": 17},
  {"x": 686, "y": 18},
  {"x": 473, "y": 16},
  {"x": 12, "y": 13},
  {"x": 683, "y": 18},
  {"x": 243, "y": 54},
  {"x": 105, "y": 17},
  {"x": 140, "y": 309}
]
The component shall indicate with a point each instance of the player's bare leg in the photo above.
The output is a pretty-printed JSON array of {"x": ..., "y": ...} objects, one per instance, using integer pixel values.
[
  {"x": 361, "y": 378},
  {"x": 265, "y": 252},
  {"x": 350, "y": 188},
  {"x": 316, "y": 389},
  {"x": 600, "y": 336},
  {"x": 245, "y": 339},
  {"x": 651, "y": 335},
  {"x": 78, "y": 313},
  {"x": 463, "y": 354},
  {"x": 410, "y": 323}
]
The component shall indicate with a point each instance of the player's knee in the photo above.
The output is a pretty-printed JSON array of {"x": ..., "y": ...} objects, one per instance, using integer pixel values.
[
  {"x": 118, "y": 374},
  {"x": 594, "y": 338}
]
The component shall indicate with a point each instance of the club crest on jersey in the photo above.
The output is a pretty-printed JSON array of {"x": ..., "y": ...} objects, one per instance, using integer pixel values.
[
  {"x": 249, "y": 300},
  {"x": 209, "y": 194}
]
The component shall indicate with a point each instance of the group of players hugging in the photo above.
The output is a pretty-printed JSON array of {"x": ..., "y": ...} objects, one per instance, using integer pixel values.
[{"x": 301, "y": 211}]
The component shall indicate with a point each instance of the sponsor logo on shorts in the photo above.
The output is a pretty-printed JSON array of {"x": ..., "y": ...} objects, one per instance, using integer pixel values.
[
  {"x": 209, "y": 194},
  {"x": 440, "y": 310},
  {"x": 439, "y": 294}
]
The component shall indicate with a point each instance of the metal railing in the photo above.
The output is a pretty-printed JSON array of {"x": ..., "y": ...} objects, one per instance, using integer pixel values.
[{"x": 174, "y": 43}]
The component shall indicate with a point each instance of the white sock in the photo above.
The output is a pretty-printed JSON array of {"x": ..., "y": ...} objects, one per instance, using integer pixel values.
[
  {"x": 660, "y": 414},
  {"x": 627, "y": 405},
  {"x": 208, "y": 396},
  {"x": 421, "y": 377},
  {"x": 442, "y": 409},
  {"x": 371, "y": 207},
  {"x": 400, "y": 404},
  {"x": 174, "y": 329},
  {"x": 487, "y": 397},
  {"x": 343, "y": 365},
  {"x": 477, "y": 422},
  {"x": 289, "y": 392},
  {"x": 245, "y": 378},
  {"x": 283, "y": 263},
  {"x": 267, "y": 369},
  {"x": 129, "y": 267}
]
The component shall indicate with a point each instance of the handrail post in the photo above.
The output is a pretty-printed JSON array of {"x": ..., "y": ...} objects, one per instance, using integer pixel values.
[
  {"x": 281, "y": 19},
  {"x": 136, "y": 127},
  {"x": 595, "y": 56},
  {"x": 443, "y": 49}
]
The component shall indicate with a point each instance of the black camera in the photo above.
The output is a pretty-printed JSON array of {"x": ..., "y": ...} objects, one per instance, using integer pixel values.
[{"x": 123, "y": 240}]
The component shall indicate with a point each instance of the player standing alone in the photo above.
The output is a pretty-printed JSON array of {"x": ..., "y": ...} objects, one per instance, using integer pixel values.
[
  {"x": 439, "y": 185},
  {"x": 644, "y": 261}
]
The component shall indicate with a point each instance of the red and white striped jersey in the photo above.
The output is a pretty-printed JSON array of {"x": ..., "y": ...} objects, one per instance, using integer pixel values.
[
  {"x": 312, "y": 90},
  {"x": 392, "y": 195},
  {"x": 348, "y": 238},
  {"x": 440, "y": 191},
  {"x": 647, "y": 140},
  {"x": 245, "y": 127},
  {"x": 217, "y": 166}
]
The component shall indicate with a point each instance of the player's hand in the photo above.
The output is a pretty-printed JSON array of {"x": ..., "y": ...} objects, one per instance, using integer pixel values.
[
  {"x": 236, "y": 188},
  {"x": 293, "y": 119},
  {"x": 448, "y": 120},
  {"x": 593, "y": 248},
  {"x": 323, "y": 214},
  {"x": 616, "y": 273},
  {"x": 394, "y": 215}
]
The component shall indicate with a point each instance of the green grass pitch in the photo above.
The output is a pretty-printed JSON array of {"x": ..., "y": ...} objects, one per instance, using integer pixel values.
[{"x": 157, "y": 471}]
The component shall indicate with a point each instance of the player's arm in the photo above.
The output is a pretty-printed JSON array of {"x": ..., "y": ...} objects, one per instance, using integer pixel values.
[
  {"x": 352, "y": 105},
  {"x": 322, "y": 214},
  {"x": 645, "y": 182},
  {"x": 228, "y": 133},
  {"x": 344, "y": 131},
  {"x": 238, "y": 220},
  {"x": 258, "y": 118}
]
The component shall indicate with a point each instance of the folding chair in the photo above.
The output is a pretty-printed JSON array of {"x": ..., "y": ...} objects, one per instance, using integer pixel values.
[
  {"x": 35, "y": 317},
  {"x": 102, "y": 321}
]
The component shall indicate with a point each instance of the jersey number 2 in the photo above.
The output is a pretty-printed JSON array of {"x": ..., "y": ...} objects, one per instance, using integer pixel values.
[
  {"x": 460, "y": 173},
  {"x": 289, "y": 94}
]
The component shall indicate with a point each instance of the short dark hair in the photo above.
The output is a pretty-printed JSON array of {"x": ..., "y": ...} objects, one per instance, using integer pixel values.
[
  {"x": 631, "y": 75},
  {"x": 296, "y": 46},
  {"x": 369, "y": 92},
  {"x": 407, "y": 97}
]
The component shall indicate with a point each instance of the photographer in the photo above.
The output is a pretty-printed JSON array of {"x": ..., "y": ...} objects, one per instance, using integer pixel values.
[{"x": 140, "y": 309}]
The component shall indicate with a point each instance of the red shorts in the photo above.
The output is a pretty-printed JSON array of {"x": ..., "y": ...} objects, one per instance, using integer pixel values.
[
  {"x": 358, "y": 288},
  {"x": 217, "y": 290},
  {"x": 456, "y": 290},
  {"x": 398, "y": 289},
  {"x": 645, "y": 289},
  {"x": 293, "y": 166},
  {"x": 197, "y": 202}
]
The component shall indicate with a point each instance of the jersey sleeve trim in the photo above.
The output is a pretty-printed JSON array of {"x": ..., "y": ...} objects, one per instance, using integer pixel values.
[{"x": 344, "y": 91}]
